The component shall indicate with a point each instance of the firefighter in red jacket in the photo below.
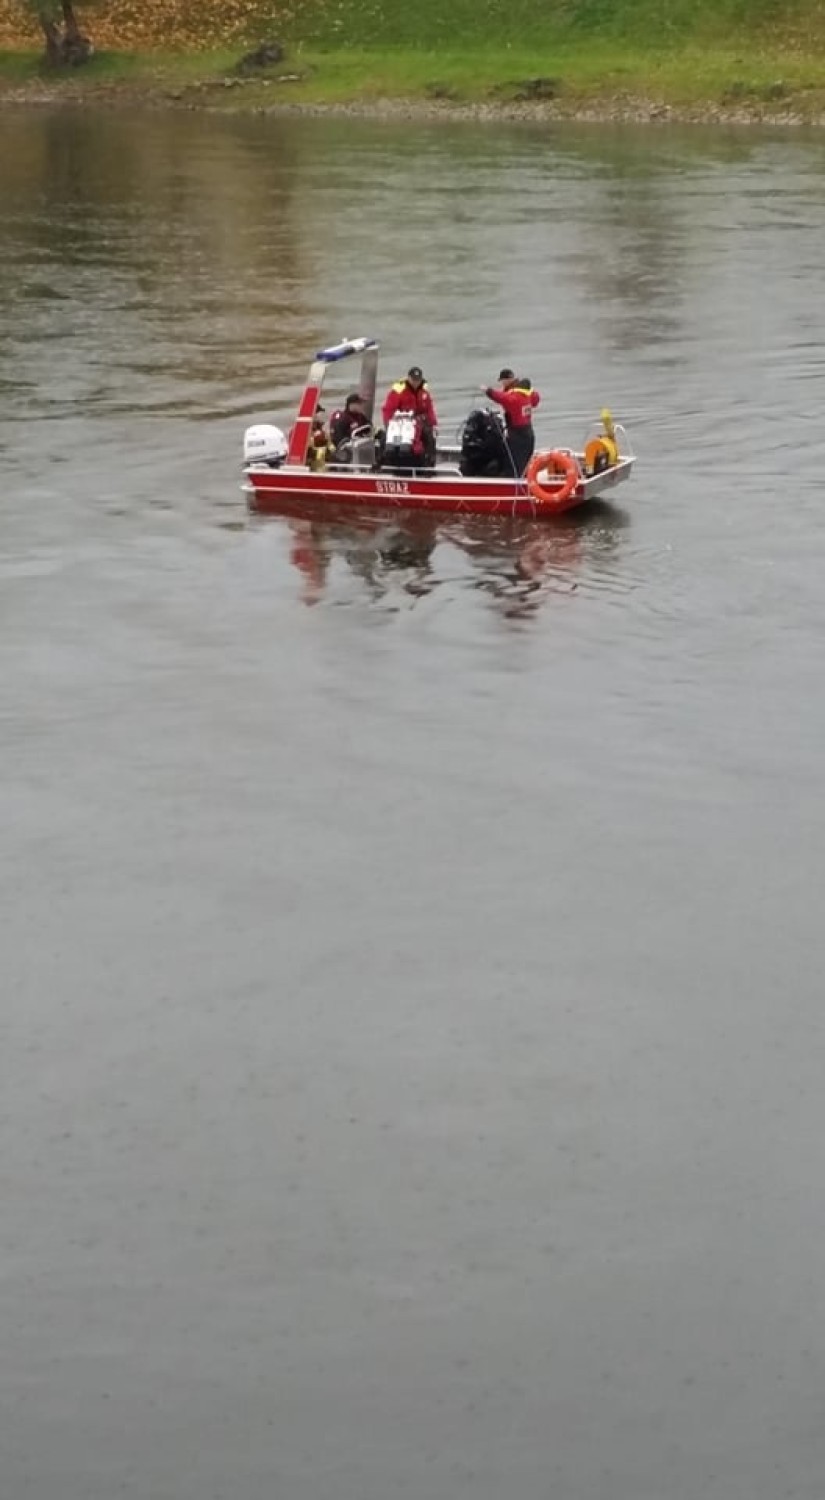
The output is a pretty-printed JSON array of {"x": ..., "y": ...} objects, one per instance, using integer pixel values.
[
  {"x": 411, "y": 394},
  {"x": 518, "y": 400}
]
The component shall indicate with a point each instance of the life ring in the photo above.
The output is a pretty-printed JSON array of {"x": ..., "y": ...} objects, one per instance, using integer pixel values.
[{"x": 555, "y": 462}]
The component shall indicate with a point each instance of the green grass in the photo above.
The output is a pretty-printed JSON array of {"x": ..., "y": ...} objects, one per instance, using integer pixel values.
[
  {"x": 17, "y": 67},
  {"x": 165, "y": 69},
  {"x": 569, "y": 71},
  {"x": 746, "y": 55},
  {"x": 495, "y": 25}
]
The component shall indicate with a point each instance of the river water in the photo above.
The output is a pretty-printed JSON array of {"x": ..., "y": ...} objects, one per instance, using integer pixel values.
[{"x": 412, "y": 1039}]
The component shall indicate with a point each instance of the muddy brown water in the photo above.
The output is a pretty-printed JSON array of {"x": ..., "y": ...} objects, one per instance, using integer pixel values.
[{"x": 412, "y": 945}]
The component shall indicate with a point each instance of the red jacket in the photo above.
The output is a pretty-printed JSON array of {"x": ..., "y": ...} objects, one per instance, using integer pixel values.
[
  {"x": 405, "y": 397},
  {"x": 519, "y": 402}
]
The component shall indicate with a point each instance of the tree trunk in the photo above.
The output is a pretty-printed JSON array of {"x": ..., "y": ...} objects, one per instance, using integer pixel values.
[
  {"x": 52, "y": 35},
  {"x": 66, "y": 48}
]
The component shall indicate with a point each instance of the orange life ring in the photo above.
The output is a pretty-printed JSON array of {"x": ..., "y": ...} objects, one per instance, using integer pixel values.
[{"x": 555, "y": 462}]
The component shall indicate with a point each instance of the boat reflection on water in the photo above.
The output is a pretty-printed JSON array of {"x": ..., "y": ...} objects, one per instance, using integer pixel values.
[{"x": 517, "y": 563}]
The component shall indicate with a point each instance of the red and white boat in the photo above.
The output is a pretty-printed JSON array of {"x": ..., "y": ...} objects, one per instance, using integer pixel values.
[{"x": 278, "y": 468}]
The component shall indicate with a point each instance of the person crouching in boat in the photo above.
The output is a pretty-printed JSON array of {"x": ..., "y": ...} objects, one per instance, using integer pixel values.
[
  {"x": 518, "y": 401},
  {"x": 411, "y": 394},
  {"x": 319, "y": 446}
]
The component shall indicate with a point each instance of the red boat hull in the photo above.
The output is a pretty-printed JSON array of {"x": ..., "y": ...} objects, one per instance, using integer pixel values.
[{"x": 448, "y": 493}]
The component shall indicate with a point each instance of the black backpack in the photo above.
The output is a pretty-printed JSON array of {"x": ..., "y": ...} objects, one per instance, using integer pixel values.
[{"x": 483, "y": 445}]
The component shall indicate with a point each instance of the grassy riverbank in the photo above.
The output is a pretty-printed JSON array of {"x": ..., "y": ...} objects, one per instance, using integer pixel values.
[{"x": 608, "y": 58}]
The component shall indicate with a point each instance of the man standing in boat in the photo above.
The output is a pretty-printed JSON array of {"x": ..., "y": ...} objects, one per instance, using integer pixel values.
[
  {"x": 518, "y": 400},
  {"x": 411, "y": 394}
]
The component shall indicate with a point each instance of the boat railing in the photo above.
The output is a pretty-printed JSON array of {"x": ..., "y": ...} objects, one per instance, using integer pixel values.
[
  {"x": 624, "y": 442},
  {"x": 389, "y": 471}
]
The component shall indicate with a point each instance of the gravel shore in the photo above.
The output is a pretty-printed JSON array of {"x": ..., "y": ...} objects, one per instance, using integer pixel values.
[{"x": 620, "y": 109}]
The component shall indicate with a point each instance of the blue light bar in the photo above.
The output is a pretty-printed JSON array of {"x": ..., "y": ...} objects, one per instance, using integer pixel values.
[{"x": 344, "y": 350}]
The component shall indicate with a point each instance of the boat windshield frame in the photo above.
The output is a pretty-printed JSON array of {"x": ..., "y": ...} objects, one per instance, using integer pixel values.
[{"x": 368, "y": 350}]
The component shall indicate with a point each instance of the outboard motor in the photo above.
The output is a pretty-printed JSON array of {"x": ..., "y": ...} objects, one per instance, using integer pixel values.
[
  {"x": 484, "y": 450},
  {"x": 264, "y": 444}
]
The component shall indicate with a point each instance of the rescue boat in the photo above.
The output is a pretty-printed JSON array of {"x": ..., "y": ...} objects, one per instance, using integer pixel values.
[{"x": 460, "y": 477}]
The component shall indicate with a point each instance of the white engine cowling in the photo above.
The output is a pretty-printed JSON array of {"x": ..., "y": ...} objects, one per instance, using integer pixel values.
[
  {"x": 401, "y": 430},
  {"x": 264, "y": 444}
]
